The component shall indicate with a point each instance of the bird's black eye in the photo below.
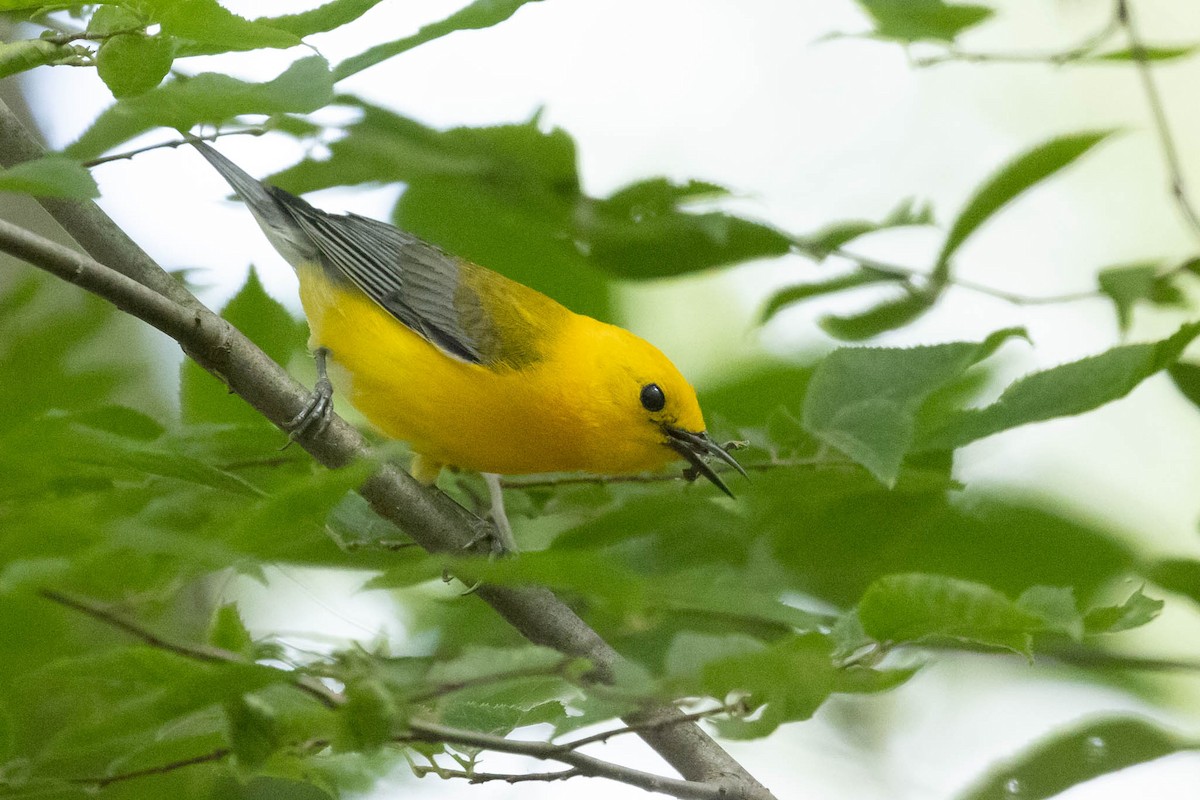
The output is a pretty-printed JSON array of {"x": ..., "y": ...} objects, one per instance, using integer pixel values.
[{"x": 653, "y": 398}]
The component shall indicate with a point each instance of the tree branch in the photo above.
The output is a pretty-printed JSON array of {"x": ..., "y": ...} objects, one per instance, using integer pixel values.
[
  {"x": 103, "y": 782},
  {"x": 432, "y": 518},
  {"x": 491, "y": 777},
  {"x": 582, "y": 764},
  {"x": 83, "y": 220}
]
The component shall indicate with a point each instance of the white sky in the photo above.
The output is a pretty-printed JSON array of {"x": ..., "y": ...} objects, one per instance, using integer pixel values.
[{"x": 806, "y": 133}]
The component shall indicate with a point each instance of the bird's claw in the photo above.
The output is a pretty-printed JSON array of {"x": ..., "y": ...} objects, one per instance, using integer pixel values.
[{"x": 314, "y": 418}]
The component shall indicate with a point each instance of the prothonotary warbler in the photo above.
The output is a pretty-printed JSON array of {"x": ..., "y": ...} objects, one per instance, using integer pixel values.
[{"x": 470, "y": 368}]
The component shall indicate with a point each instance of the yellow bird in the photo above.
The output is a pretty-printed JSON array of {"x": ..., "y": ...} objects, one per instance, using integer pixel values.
[{"x": 470, "y": 368}]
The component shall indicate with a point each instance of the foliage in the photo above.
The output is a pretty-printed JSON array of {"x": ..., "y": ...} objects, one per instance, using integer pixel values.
[{"x": 850, "y": 551}]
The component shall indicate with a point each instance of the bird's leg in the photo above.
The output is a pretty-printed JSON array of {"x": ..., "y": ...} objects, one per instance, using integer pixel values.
[
  {"x": 315, "y": 416},
  {"x": 504, "y": 543}
]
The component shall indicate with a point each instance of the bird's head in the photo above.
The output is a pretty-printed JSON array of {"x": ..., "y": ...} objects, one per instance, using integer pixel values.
[{"x": 644, "y": 413}]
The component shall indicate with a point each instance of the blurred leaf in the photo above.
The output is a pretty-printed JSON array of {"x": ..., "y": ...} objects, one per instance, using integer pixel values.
[
  {"x": 1077, "y": 754},
  {"x": 832, "y": 237},
  {"x": 253, "y": 731},
  {"x": 367, "y": 717},
  {"x": 327, "y": 17},
  {"x": 479, "y": 14},
  {"x": 1056, "y": 607},
  {"x": 1176, "y": 575},
  {"x": 121, "y": 421},
  {"x": 915, "y": 607},
  {"x": 922, "y": 20},
  {"x": 229, "y": 632},
  {"x": 1014, "y": 178},
  {"x": 205, "y": 21},
  {"x": 492, "y": 718},
  {"x": 1125, "y": 286},
  {"x": 642, "y": 231},
  {"x": 29, "y": 53},
  {"x": 1146, "y": 53},
  {"x": 1061, "y": 391},
  {"x": 133, "y": 64},
  {"x": 1186, "y": 377},
  {"x": 792, "y": 678},
  {"x": 51, "y": 175},
  {"x": 206, "y": 98},
  {"x": 1135, "y": 612},
  {"x": 690, "y": 651},
  {"x": 794, "y": 294},
  {"x": 110, "y": 19},
  {"x": 864, "y": 401},
  {"x": 885, "y": 316}
]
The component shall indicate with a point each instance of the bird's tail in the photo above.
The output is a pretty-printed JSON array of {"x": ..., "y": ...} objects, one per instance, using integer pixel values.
[{"x": 268, "y": 204}]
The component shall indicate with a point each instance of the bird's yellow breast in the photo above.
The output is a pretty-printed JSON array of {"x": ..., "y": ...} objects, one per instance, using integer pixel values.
[{"x": 549, "y": 415}]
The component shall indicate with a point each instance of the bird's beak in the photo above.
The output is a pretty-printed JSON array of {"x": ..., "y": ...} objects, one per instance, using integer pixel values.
[{"x": 694, "y": 447}]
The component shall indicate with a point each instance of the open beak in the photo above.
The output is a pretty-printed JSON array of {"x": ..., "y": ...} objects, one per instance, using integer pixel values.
[{"x": 695, "y": 447}]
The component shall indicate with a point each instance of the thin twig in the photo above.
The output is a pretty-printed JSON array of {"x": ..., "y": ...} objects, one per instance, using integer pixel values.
[
  {"x": 103, "y": 782},
  {"x": 585, "y": 764},
  {"x": 1158, "y": 110},
  {"x": 695, "y": 716},
  {"x": 491, "y": 777},
  {"x": 1001, "y": 294},
  {"x": 212, "y": 137},
  {"x": 66, "y": 37},
  {"x": 1057, "y": 58},
  {"x": 196, "y": 652}
]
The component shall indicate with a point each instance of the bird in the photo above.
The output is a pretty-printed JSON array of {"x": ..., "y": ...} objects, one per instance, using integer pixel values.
[{"x": 472, "y": 369}]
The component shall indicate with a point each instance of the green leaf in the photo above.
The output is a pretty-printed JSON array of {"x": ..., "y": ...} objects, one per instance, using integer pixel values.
[
  {"x": 1146, "y": 53},
  {"x": 885, "y": 316},
  {"x": 792, "y": 678},
  {"x": 1014, "y": 178},
  {"x": 1062, "y": 391},
  {"x": 1187, "y": 380},
  {"x": 1125, "y": 286},
  {"x": 29, "y": 53},
  {"x": 794, "y": 294},
  {"x": 1056, "y": 607},
  {"x": 643, "y": 231},
  {"x": 1180, "y": 575},
  {"x": 1135, "y": 612},
  {"x": 110, "y": 19},
  {"x": 367, "y": 717},
  {"x": 51, "y": 175},
  {"x": 207, "y": 98},
  {"x": 133, "y": 64},
  {"x": 691, "y": 651},
  {"x": 228, "y": 632},
  {"x": 160, "y": 458},
  {"x": 922, "y": 20},
  {"x": 914, "y": 607},
  {"x": 479, "y": 14},
  {"x": 865, "y": 401},
  {"x": 1078, "y": 754},
  {"x": 253, "y": 731},
  {"x": 323, "y": 18},
  {"x": 835, "y": 235},
  {"x": 206, "y": 22}
]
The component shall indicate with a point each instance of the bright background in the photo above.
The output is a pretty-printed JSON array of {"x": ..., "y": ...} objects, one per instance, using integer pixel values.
[{"x": 806, "y": 132}]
